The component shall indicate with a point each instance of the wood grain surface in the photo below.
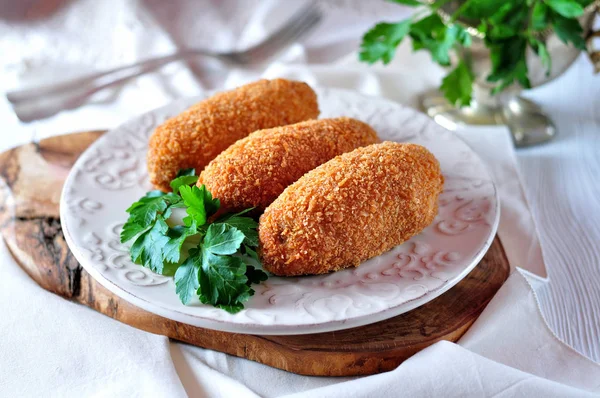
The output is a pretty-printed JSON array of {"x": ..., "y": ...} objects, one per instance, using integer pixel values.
[{"x": 32, "y": 178}]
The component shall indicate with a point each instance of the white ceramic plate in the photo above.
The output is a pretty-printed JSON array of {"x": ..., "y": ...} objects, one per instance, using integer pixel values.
[{"x": 111, "y": 174}]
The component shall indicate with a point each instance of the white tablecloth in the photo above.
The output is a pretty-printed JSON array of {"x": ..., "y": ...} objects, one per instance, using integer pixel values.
[{"x": 509, "y": 350}]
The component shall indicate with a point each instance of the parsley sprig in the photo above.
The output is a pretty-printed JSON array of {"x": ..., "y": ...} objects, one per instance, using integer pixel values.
[
  {"x": 210, "y": 260},
  {"x": 508, "y": 28}
]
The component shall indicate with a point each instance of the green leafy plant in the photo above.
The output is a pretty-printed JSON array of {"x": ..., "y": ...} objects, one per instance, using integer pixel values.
[
  {"x": 208, "y": 259},
  {"x": 508, "y": 28}
]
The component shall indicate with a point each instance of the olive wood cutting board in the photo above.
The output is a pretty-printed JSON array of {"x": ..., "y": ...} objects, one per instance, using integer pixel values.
[{"x": 32, "y": 179}]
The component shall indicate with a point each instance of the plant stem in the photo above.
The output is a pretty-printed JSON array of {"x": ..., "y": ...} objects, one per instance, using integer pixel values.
[
  {"x": 436, "y": 5},
  {"x": 460, "y": 10}
]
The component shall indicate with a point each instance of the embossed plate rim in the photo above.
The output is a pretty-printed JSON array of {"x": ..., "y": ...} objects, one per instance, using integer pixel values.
[{"x": 265, "y": 328}]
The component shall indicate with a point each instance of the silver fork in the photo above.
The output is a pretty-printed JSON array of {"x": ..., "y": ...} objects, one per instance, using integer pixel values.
[{"x": 41, "y": 102}]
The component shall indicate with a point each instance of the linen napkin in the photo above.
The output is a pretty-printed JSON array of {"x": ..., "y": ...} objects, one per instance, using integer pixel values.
[{"x": 53, "y": 347}]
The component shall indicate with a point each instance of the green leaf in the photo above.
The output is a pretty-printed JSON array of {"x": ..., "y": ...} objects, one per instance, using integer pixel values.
[
  {"x": 432, "y": 34},
  {"x": 540, "y": 48},
  {"x": 463, "y": 36},
  {"x": 508, "y": 21},
  {"x": 411, "y": 3},
  {"x": 566, "y": 8},
  {"x": 508, "y": 63},
  {"x": 169, "y": 269},
  {"x": 479, "y": 9},
  {"x": 222, "y": 239},
  {"x": 506, "y": 55},
  {"x": 223, "y": 281},
  {"x": 131, "y": 229},
  {"x": 186, "y": 172},
  {"x": 232, "y": 308},
  {"x": 245, "y": 225},
  {"x": 193, "y": 198},
  {"x": 183, "y": 180},
  {"x": 539, "y": 16},
  {"x": 187, "y": 277},
  {"x": 255, "y": 275},
  {"x": 569, "y": 30},
  {"x": 211, "y": 205},
  {"x": 519, "y": 74},
  {"x": 214, "y": 268},
  {"x": 431, "y": 26},
  {"x": 147, "y": 248},
  {"x": 177, "y": 235},
  {"x": 379, "y": 43},
  {"x": 251, "y": 253},
  {"x": 144, "y": 212},
  {"x": 458, "y": 85}
]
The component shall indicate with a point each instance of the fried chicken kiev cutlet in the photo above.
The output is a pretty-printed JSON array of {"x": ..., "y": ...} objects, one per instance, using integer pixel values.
[
  {"x": 196, "y": 136},
  {"x": 255, "y": 170},
  {"x": 354, "y": 207}
]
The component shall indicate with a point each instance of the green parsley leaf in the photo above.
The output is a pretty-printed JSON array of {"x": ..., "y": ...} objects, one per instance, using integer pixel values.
[
  {"x": 432, "y": 34},
  {"x": 508, "y": 63},
  {"x": 255, "y": 275},
  {"x": 186, "y": 172},
  {"x": 566, "y": 8},
  {"x": 144, "y": 212},
  {"x": 458, "y": 85},
  {"x": 479, "y": 9},
  {"x": 131, "y": 229},
  {"x": 231, "y": 308},
  {"x": 187, "y": 277},
  {"x": 519, "y": 74},
  {"x": 183, "y": 180},
  {"x": 212, "y": 205},
  {"x": 568, "y": 30},
  {"x": 177, "y": 236},
  {"x": 251, "y": 253},
  {"x": 222, "y": 239},
  {"x": 205, "y": 258},
  {"x": 147, "y": 248},
  {"x": 169, "y": 269},
  {"x": 507, "y": 21},
  {"x": 194, "y": 199},
  {"x": 245, "y": 225},
  {"x": 540, "y": 48},
  {"x": 379, "y": 43},
  {"x": 539, "y": 16},
  {"x": 463, "y": 37},
  {"x": 223, "y": 281}
]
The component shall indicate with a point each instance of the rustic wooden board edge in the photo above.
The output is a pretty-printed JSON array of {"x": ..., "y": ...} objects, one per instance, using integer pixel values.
[{"x": 30, "y": 225}]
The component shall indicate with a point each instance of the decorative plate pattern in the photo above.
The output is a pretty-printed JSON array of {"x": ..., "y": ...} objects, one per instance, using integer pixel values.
[{"x": 111, "y": 174}]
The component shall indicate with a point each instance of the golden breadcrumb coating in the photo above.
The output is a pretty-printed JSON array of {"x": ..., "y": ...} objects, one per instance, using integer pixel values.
[
  {"x": 255, "y": 170},
  {"x": 193, "y": 138},
  {"x": 354, "y": 207}
]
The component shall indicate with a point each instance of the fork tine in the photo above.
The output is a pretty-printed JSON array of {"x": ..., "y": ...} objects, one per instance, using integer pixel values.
[
  {"x": 293, "y": 22},
  {"x": 270, "y": 48},
  {"x": 291, "y": 33},
  {"x": 300, "y": 23},
  {"x": 303, "y": 26}
]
